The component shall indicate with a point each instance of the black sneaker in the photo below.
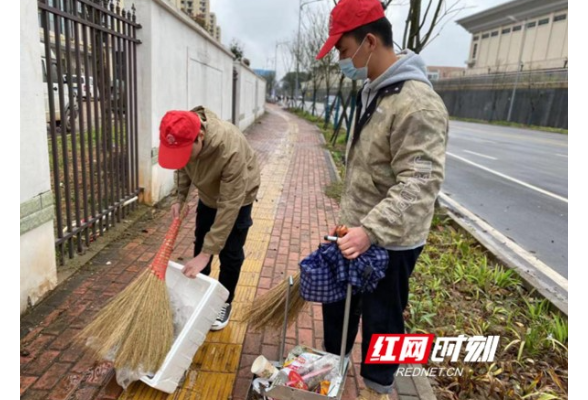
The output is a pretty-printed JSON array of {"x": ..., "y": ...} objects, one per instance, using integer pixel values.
[{"x": 223, "y": 318}]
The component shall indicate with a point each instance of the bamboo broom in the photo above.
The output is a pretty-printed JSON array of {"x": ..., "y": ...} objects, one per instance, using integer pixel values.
[
  {"x": 267, "y": 311},
  {"x": 135, "y": 329}
]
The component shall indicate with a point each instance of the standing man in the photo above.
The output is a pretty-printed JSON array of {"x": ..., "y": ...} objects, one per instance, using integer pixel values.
[
  {"x": 214, "y": 156},
  {"x": 395, "y": 167}
]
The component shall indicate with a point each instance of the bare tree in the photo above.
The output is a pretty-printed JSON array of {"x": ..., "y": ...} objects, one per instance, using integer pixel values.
[
  {"x": 287, "y": 81},
  {"x": 420, "y": 28},
  {"x": 423, "y": 25},
  {"x": 312, "y": 43},
  {"x": 298, "y": 55},
  {"x": 327, "y": 67},
  {"x": 314, "y": 36},
  {"x": 270, "y": 80}
]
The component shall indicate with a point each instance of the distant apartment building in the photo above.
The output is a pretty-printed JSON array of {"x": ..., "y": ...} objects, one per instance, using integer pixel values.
[{"x": 436, "y": 73}]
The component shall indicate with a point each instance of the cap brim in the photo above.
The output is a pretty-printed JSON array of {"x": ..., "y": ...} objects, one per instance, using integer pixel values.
[
  {"x": 175, "y": 158},
  {"x": 328, "y": 46}
]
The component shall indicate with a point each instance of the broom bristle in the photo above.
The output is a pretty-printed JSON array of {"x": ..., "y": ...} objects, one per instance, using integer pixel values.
[
  {"x": 267, "y": 311},
  {"x": 135, "y": 329}
]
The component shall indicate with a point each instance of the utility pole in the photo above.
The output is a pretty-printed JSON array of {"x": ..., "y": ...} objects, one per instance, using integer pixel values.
[{"x": 514, "y": 89}]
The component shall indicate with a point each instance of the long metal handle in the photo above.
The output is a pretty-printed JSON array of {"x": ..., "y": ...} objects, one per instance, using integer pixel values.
[
  {"x": 345, "y": 329},
  {"x": 283, "y": 342}
]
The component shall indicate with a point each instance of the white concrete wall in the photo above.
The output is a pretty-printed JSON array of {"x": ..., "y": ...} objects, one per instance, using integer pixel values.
[
  {"x": 37, "y": 251},
  {"x": 38, "y": 272},
  {"x": 179, "y": 67},
  {"x": 34, "y": 157},
  {"x": 262, "y": 87},
  {"x": 251, "y": 95}
]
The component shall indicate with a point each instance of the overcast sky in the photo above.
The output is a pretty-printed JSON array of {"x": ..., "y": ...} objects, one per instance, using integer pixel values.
[{"x": 259, "y": 24}]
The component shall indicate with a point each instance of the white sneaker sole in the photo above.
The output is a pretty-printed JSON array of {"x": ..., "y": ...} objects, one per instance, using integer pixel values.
[{"x": 218, "y": 326}]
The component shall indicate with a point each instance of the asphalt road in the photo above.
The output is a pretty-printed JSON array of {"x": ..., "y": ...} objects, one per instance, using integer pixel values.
[{"x": 517, "y": 181}]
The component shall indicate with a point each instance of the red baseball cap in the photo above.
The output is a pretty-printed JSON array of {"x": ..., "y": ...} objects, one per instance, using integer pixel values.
[
  {"x": 177, "y": 133},
  {"x": 348, "y": 15}
]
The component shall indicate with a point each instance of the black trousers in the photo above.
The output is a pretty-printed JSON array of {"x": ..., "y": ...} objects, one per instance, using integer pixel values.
[
  {"x": 381, "y": 312},
  {"x": 232, "y": 255}
]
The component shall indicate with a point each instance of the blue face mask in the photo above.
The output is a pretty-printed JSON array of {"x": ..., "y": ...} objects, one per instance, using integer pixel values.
[{"x": 349, "y": 69}]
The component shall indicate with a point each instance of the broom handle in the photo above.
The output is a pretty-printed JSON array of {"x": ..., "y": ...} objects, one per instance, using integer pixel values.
[
  {"x": 341, "y": 231},
  {"x": 290, "y": 283},
  {"x": 159, "y": 264},
  {"x": 345, "y": 329}
]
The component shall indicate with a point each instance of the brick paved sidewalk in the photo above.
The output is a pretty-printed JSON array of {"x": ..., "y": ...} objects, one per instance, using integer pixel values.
[{"x": 290, "y": 217}]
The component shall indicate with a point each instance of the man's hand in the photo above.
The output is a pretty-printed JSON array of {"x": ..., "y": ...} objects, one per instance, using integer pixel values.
[
  {"x": 354, "y": 243},
  {"x": 178, "y": 212},
  {"x": 195, "y": 265},
  {"x": 332, "y": 232},
  {"x": 175, "y": 210}
]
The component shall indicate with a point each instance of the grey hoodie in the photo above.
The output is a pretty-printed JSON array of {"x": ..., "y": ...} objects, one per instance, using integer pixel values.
[{"x": 410, "y": 66}]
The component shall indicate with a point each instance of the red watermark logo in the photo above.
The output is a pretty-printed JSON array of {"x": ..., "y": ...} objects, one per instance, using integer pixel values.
[
  {"x": 416, "y": 349},
  {"x": 400, "y": 349}
]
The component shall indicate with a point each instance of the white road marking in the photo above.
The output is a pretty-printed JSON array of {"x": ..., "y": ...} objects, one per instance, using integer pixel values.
[
  {"x": 480, "y": 155},
  {"x": 562, "y": 155}
]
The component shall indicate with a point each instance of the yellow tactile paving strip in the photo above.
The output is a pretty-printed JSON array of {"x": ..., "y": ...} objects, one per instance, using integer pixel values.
[{"x": 213, "y": 371}]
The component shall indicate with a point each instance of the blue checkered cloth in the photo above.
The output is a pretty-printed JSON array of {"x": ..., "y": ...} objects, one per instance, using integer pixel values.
[{"x": 325, "y": 273}]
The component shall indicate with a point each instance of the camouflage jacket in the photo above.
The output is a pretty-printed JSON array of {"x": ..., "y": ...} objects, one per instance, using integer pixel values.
[
  {"x": 395, "y": 165},
  {"x": 226, "y": 174}
]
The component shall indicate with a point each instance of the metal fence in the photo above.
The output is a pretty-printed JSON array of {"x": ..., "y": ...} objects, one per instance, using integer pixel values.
[
  {"x": 90, "y": 73},
  {"x": 540, "y": 97}
]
